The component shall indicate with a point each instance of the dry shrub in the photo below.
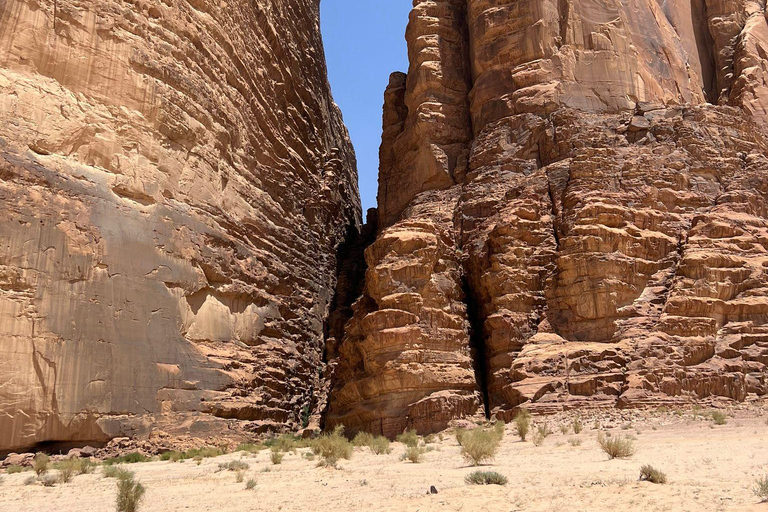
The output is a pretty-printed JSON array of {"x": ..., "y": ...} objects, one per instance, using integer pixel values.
[
  {"x": 413, "y": 454},
  {"x": 332, "y": 447},
  {"x": 40, "y": 463},
  {"x": 523, "y": 423},
  {"x": 129, "y": 494},
  {"x": 481, "y": 444},
  {"x": 653, "y": 475},
  {"x": 485, "y": 478},
  {"x": 409, "y": 438},
  {"x": 617, "y": 447}
]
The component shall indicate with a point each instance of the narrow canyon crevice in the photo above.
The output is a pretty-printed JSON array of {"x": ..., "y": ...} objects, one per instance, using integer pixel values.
[{"x": 477, "y": 343}]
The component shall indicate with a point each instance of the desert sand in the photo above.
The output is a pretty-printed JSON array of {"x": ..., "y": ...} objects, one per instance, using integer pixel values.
[{"x": 709, "y": 468}]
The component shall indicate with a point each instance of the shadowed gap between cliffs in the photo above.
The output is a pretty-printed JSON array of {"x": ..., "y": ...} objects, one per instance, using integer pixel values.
[
  {"x": 350, "y": 281},
  {"x": 477, "y": 343}
]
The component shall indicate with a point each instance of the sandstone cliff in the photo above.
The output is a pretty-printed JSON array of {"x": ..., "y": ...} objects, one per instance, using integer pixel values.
[
  {"x": 175, "y": 181},
  {"x": 573, "y": 201}
]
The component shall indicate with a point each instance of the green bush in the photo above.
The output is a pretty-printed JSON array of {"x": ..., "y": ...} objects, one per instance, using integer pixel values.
[
  {"x": 14, "y": 469},
  {"x": 618, "y": 447},
  {"x": 523, "y": 423},
  {"x": 285, "y": 443},
  {"x": 379, "y": 445},
  {"x": 761, "y": 488},
  {"x": 129, "y": 494},
  {"x": 653, "y": 475},
  {"x": 719, "y": 417},
  {"x": 363, "y": 439},
  {"x": 332, "y": 447},
  {"x": 485, "y": 478},
  {"x": 276, "y": 457},
  {"x": 460, "y": 432},
  {"x": 409, "y": 438},
  {"x": 413, "y": 454},
  {"x": 40, "y": 463},
  {"x": 481, "y": 444}
]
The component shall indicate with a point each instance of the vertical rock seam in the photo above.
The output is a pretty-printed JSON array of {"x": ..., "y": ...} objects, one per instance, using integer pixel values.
[
  {"x": 175, "y": 183},
  {"x": 570, "y": 179}
]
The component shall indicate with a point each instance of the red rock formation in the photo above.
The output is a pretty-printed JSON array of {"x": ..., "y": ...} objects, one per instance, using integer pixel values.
[
  {"x": 609, "y": 223},
  {"x": 174, "y": 183}
]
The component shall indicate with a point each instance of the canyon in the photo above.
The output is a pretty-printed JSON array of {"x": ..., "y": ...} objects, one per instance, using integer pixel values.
[{"x": 572, "y": 213}]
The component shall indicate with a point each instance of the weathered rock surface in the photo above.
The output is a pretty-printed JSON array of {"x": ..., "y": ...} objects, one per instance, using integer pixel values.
[
  {"x": 607, "y": 221},
  {"x": 174, "y": 183}
]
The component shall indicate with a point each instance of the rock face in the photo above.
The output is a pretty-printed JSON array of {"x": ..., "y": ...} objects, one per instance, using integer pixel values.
[
  {"x": 573, "y": 194},
  {"x": 175, "y": 181}
]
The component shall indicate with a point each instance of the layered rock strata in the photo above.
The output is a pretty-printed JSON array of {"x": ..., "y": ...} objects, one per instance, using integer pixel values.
[
  {"x": 608, "y": 223},
  {"x": 175, "y": 181}
]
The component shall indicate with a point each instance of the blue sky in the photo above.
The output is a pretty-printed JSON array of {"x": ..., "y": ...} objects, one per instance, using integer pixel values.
[{"x": 364, "y": 43}]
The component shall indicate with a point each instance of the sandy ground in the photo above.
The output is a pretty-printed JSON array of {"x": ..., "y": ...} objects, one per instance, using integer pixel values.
[{"x": 709, "y": 468}]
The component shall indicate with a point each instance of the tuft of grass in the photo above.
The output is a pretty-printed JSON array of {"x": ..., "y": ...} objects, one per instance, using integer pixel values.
[
  {"x": 332, "y": 447},
  {"x": 40, "y": 463},
  {"x": 413, "y": 454},
  {"x": 617, "y": 447},
  {"x": 542, "y": 432},
  {"x": 523, "y": 423},
  {"x": 480, "y": 444},
  {"x": 485, "y": 478},
  {"x": 653, "y": 475},
  {"x": 577, "y": 425},
  {"x": 235, "y": 465},
  {"x": 250, "y": 484},
  {"x": 239, "y": 476},
  {"x": 761, "y": 488},
  {"x": 12, "y": 470},
  {"x": 409, "y": 438},
  {"x": 31, "y": 480},
  {"x": 719, "y": 417},
  {"x": 250, "y": 447},
  {"x": 128, "y": 458},
  {"x": 285, "y": 443},
  {"x": 377, "y": 444},
  {"x": 565, "y": 428},
  {"x": 67, "y": 469},
  {"x": 194, "y": 453},
  {"x": 116, "y": 472},
  {"x": 574, "y": 441},
  {"x": 276, "y": 457},
  {"x": 129, "y": 494}
]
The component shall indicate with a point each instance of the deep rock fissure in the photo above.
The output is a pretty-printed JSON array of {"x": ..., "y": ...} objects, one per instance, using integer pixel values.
[
  {"x": 705, "y": 46},
  {"x": 477, "y": 343}
]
